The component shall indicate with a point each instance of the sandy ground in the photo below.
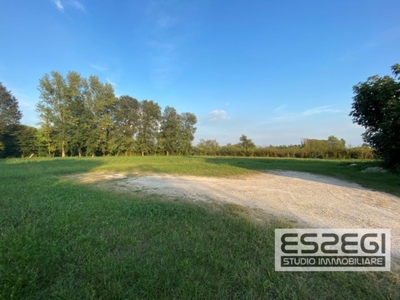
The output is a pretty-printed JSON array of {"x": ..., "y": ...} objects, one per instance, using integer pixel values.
[{"x": 315, "y": 200}]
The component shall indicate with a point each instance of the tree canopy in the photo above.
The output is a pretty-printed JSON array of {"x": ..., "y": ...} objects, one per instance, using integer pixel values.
[
  {"x": 83, "y": 116},
  {"x": 376, "y": 106},
  {"x": 10, "y": 117}
]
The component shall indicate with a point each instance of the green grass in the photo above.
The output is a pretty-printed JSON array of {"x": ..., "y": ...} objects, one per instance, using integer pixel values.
[
  {"x": 62, "y": 240},
  {"x": 230, "y": 166}
]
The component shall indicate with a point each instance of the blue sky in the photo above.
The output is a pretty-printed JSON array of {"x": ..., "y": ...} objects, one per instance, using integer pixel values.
[{"x": 276, "y": 71}]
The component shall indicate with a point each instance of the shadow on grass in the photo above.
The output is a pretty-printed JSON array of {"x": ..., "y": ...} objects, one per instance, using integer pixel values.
[{"x": 46, "y": 166}]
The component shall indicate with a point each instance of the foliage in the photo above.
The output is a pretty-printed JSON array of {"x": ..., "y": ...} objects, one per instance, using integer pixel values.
[
  {"x": 188, "y": 122},
  {"x": 9, "y": 110},
  {"x": 171, "y": 131},
  {"x": 376, "y": 106},
  {"x": 150, "y": 117},
  {"x": 246, "y": 143},
  {"x": 27, "y": 140},
  {"x": 10, "y": 117},
  {"x": 82, "y": 116},
  {"x": 207, "y": 147},
  {"x": 125, "y": 116},
  {"x": 309, "y": 148}
]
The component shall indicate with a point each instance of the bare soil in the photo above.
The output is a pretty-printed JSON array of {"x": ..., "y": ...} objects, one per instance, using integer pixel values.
[{"x": 314, "y": 200}]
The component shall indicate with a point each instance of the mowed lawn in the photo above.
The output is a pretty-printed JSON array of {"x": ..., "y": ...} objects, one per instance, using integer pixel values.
[{"x": 63, "y": 240}]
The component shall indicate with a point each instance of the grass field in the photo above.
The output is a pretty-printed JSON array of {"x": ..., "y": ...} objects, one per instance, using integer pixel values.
[{"x": 63, "y": 240}]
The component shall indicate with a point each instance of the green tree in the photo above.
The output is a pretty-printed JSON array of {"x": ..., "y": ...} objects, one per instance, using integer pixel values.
[
  {"x": 171, "y": 130},
  {"x": 208, "y": 147},
  {"x": 10, "y": 117},
  {"x": 188, "y": 121},
  {"x": 100, "y": 102},
  {"x": 149, "y": 124},
  {"x": 246, "y": 143},
  {"x": 376, "y": 106},
  {"x": 125, "y": 116},
  {"x": 78, "y": 122},
  {"x": 27, "y": 140},
  {"x": 45, "y": 140},
  {"x": 337, "y": 147},
  {"x": 53, "y": 108}
]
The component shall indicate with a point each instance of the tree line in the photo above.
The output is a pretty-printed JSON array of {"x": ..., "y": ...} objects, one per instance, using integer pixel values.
[
  {"x": 80, "y": 116},
  {"x": 309, "y": 148}
]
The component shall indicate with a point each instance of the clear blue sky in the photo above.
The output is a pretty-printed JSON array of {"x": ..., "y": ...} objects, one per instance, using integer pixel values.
[{"x": 276, "y": 71}]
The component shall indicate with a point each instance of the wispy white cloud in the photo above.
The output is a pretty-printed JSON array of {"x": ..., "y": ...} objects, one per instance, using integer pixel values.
[
  {"x": 58, "y": 5},
  {"x": 281, "y": 115},
  {"x": 218, "y": 115},
  {"x": 286, "y": 117},
  {"x": 76, "y": 4},
  {"x": 99, "y": 68},
  {"x": 110, "y": 82},
  {"x": 320, "y": 110},
  {"x": 279, "y": 108}
]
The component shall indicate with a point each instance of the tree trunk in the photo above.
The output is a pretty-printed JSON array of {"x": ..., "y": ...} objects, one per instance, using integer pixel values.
[
  {"x": 79, "y": 152},
  {"x": 63, "y": 149}
]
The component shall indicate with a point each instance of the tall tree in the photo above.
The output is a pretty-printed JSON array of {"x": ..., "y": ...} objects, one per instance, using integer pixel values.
[
  {"x": 53, "y": 108},
  {"x": 376, "y": 106},
  {"x": 171, "y": 131},
  {"x": 125, "y": 116},
  {"x": 78, "y": 129},
  {"x": 150, "y": 118},
  {"x": 189, "y": 121},
  {"x": 100, "y": 101},
  {"x": 10, "y": 117}
]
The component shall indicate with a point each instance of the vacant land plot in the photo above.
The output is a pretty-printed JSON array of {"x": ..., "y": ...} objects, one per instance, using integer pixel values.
[
  {"x": 308, "y": 199},
  {"x": 67, "y": 240}
]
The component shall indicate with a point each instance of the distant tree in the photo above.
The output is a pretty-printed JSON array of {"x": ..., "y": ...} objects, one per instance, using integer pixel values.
[
  {"x": 10, "y": 117},
  {"x": 246, "y": 143},
  {"x": 376, "y": 106},
  {"x": 337, "y": 147},
  {"x": 315, "y": 148},
  {"x": 208, "y": 147}
]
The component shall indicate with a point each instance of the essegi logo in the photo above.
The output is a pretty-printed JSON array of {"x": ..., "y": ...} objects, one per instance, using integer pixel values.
[{"x": 332, "y": 249}]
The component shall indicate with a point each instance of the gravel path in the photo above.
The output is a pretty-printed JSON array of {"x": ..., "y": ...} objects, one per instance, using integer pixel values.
[{"x": 318, "y": 201}]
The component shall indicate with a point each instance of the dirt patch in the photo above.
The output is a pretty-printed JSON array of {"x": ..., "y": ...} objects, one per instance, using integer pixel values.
[{"x": 318, "y": 201}]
